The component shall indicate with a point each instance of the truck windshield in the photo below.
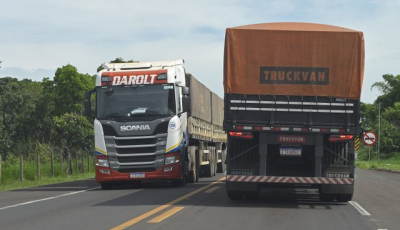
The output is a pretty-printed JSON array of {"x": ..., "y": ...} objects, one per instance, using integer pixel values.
[{"x": 136, "y": 101}]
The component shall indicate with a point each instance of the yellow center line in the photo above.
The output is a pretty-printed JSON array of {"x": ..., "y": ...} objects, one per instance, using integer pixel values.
[
  {"x": 162, "y": 207},
  {"x": 212, "y": 189},
  {"x": 165, "y": 215}
]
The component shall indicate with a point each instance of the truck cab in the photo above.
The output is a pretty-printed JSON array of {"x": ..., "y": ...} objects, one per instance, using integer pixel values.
[{"x": 140, "y": 122}]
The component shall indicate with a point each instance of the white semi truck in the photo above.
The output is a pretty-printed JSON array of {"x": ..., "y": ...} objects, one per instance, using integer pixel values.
[{"x": 154, "y": 121}]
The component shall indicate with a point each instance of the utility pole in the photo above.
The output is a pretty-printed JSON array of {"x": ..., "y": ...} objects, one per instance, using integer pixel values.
[{"x": 379, "y": 132}]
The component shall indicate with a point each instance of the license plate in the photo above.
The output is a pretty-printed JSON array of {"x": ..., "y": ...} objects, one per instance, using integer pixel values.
[
  {"x": 137, "y": 175},
  {"x": 241, "y": 172},
  {"x": 338, "y": 175},
  {"x": 290, "y": 151}
]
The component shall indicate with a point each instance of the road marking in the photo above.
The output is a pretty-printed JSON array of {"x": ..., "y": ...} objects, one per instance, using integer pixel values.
[
  {"x": 162, "y": 207},
  {"x": 49, "y": 198},
  {"x": 212, "y": 189},
  {"x": 165, "y": 215},
  {"x": 359, "y": 208}
]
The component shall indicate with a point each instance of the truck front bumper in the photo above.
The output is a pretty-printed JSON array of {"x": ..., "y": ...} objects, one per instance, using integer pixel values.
[{"x": 159, "y": 174}]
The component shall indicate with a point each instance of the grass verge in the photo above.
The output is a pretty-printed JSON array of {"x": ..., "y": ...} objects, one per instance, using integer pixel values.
[
  {"x": 10, "y": 174},
  {"x": 17, "y": 184},
  {"x": 386, "y": 165}
]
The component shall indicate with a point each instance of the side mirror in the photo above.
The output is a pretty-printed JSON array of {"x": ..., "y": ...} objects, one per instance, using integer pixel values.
[
  {"x": 87, "y": 104},
  {"x": 186, "y": 104},
  {"x": 185, "y": 91}
]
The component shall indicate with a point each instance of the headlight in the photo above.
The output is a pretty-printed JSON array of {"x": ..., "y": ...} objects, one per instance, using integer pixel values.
[
  {"x": 170, "y": 160},
  {"x": 102, "y": 162}
]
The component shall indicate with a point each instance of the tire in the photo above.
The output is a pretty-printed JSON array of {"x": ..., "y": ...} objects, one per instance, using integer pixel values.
[
  {"x": 194, "y": 174},
  {"x": 215, "y": 161},
  {"x": 211, "y": 161},
  {"x": 197, "y": 165},
  {"x": 184, "y": 174},
  {"x": 233, "y": 195},
  {"x": 107, "y": 186},
  {"x": 252, "y": 195},
  {"x": 207, "y": 170},
  {"x": 220, "y": 168},
  {"x": 344, "y": 197},
  {"x": 192, "y": 178}
]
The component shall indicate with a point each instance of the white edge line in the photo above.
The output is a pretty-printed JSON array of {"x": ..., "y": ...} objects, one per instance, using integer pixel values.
[
  {"x": 359, "y": 208},
  {"x": 49, "y": 198}
]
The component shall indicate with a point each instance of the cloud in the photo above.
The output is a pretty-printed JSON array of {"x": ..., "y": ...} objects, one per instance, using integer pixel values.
[
  {"x": 34, "y": 74},
  {"x": 47, "y": 34}
]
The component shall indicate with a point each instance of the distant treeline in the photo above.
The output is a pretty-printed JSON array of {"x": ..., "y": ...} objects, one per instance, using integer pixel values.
[
  {"x": 390, "y": 114},
  {"x": 34, "y": 115},
  {"x": 38, "y": 116}
]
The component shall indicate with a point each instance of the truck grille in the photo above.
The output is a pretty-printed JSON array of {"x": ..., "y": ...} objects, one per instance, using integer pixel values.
[
  {"x": 137, "y": 150},
  {"x": 136, "y": 159},
  {"x": 132, "y": 170},
  {"x": 149, "y": 141}
]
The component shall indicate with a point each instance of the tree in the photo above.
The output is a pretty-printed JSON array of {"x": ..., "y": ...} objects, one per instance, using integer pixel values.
[
  {"x": 391, "y": 128},
  {"x": 17, "y": 103},
  {"x": 390, "y": 87},
  {"x": 116, "y": 60},
  {"x": 75, "y": 130},
  {"x": 368, "y": 116},
  {"x": 67, "y": 89}
]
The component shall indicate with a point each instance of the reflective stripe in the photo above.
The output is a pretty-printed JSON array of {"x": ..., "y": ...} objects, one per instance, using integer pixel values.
[{"x": 288, "y": 180}]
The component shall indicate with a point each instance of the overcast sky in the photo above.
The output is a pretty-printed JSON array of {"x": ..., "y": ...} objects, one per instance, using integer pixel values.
[{"x": 39, "y": 36}]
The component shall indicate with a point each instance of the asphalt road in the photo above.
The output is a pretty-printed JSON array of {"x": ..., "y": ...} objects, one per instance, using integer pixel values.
[{"x": 204, "y": 205}]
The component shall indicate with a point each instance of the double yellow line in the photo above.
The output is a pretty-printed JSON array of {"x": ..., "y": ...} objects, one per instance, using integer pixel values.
[{"x": 162, "y": 207}]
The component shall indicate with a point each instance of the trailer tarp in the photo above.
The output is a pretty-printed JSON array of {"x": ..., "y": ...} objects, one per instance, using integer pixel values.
[
  {"x": 301, "y": 59},
  {"x": 217, "y": 110},
  {"x": 200, "y": 97}
]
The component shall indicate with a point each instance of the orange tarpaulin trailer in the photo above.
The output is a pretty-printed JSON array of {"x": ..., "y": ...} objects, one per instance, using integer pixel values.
[{"x": 301, "y": 59}]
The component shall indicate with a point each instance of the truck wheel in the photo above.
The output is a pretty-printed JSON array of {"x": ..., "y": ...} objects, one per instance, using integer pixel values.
[
  {"x": 184, "y": 174},
  {"x": 197, "y": 165},
  {"x": 252, "y": 195},
  {"x": 193, "y": 174},
  {"x": 344, "y": 197},
  {"x": 106, "y": 186},
  {"x": 214, "y": 162},
  {"x": 220, "y": 167},
  {"x": 207, "y": 170},
  {"x": 233, "y": 195}
]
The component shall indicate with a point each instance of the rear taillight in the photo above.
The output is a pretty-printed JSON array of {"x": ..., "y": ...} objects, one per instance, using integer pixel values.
[
  {"x": 337, "y": 138},
  {"x": 245, "y": 135}
]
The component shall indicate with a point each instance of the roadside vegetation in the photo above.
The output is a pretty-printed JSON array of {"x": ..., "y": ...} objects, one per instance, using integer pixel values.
[
  {"x": 387, "y": 162},
  {"x": 13, "y": 177},
  {"x": 37, "y": 118},
  {"x": 390, "y": 126}
]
